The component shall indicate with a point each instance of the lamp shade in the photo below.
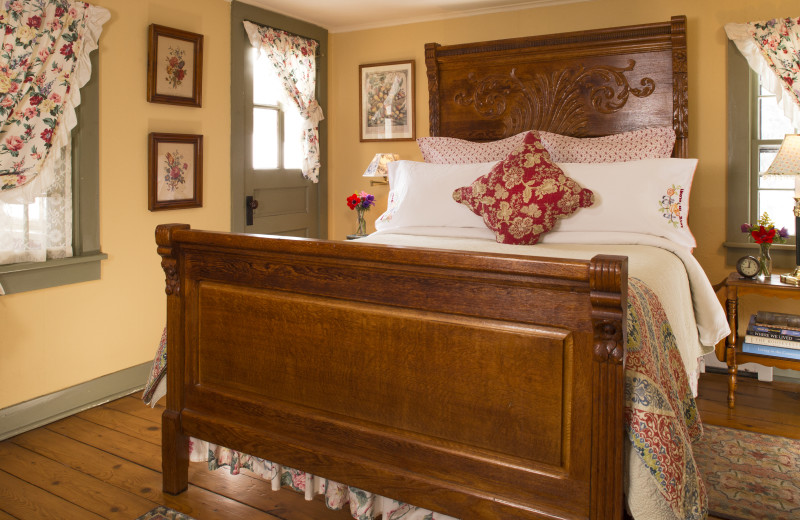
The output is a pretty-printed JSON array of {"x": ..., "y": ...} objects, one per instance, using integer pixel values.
[
  {"x": 787, "y": 162},
  {"x": 379, "y": 166}
]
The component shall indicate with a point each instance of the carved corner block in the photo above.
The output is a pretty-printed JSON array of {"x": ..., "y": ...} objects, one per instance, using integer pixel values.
[
  {"x": 608, "y": 283},
  {"x": 169, "y": 262}
]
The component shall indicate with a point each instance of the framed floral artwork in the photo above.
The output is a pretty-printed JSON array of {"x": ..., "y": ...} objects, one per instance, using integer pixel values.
[
  {"x": 386, "y": 101},
  {"x": 174, "y": 66},
  {"x": 175, "y": 179}
]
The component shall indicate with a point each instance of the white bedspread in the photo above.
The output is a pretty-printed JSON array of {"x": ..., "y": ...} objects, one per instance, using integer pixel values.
[{"x": 697, "y": 318}]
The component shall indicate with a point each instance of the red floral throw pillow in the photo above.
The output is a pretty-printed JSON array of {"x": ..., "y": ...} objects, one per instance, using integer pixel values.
[{"x": 524, "y": 194}]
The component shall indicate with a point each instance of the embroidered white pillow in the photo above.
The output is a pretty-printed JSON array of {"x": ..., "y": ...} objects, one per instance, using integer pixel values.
[
  {"x": 649, "y": 197},
  {"x": 421, "y": 195},
  {"x": 647, "y": 143}
]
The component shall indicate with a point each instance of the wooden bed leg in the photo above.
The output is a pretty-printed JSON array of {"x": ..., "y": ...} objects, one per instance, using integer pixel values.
[
  {"x": 174, "y": 443},
  {"x": 608, "y": 281},
  {"x": 174, "y": 454}
]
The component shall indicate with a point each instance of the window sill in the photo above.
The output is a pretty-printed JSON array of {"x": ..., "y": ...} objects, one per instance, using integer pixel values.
[
  {"x": 783, "y": 255},
  {"x": 31, "y": 276}
]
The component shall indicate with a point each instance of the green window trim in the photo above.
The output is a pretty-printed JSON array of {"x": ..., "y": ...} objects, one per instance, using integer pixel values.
[
  {"x": 84, "y": 265},
  {"x": 742, "y": 188}
]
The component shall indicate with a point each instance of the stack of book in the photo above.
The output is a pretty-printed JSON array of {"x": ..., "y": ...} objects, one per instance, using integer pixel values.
[{"x": 773, "y": 334}]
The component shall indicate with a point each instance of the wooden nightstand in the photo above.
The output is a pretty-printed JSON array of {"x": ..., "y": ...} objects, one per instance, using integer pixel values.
[{"x": 736, "y": 286}]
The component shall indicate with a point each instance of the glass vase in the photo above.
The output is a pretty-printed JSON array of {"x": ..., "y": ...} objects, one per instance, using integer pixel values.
[
  {"x": 362, "y": 224},
  {"x": 764, "y": 262}
]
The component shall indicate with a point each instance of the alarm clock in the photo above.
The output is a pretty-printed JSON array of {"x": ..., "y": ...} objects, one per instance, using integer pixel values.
[{"x": 748, "y": 266}]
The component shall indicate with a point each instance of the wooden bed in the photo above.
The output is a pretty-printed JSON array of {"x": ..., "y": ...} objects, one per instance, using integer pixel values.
[{"x": 482, "y": 386}]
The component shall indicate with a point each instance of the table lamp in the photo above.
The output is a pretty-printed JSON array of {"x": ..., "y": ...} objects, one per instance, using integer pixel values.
[
  {"x": 787, "y": 162},
  {"x": 379, "y": 167}
]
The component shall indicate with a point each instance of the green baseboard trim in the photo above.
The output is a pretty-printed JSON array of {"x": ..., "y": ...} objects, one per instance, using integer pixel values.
[{"x": 37, "y": 412}]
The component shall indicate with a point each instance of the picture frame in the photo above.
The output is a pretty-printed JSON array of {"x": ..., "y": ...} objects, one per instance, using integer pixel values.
[
  {"x": 379, "y": 120},
  {"x": 174, "y": 66},
  {"x": 175, "y": 171}
]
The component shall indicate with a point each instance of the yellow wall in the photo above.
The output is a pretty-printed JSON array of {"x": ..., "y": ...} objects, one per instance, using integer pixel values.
[{"x": 56, "y": 338}]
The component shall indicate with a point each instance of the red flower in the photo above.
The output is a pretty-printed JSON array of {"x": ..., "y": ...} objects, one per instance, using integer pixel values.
[
  {"x": 35, "y": 100},
  {"x": 47, "y": 134},
  {"x": 35, "y": 22},
  {"x": 789, "y": 80},
  {"x": 762, "y": 235},
  {"x": 353, "y": 201},
  {"x": 14, "y": 143},
  {"x": 59, "y": 12},
  {"x": 181, "y": 74},
  {"x": 66, "y": 50},
  {"x": 9, "y": 29}
]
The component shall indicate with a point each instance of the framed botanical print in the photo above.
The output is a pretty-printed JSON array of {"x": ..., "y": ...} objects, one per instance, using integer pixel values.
[
  {"x": 386, "y": 101},
  {"x": 175, "y": 171},
  {"x": 174, "y": 66}
]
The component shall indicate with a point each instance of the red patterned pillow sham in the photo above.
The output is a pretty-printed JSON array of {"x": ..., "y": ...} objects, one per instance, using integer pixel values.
[{"x": 523, "y": 195}]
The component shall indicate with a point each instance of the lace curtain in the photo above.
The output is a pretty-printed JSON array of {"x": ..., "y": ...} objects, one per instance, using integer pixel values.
[
  {"x": 772, "y": 49},
  {"x": 294, "y": 59},
  {"x": 44, "y": 60}
]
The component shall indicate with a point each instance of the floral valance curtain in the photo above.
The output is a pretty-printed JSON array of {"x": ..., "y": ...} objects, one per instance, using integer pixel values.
[
  {"x": 44, "y": 60},
  {"x": 772, "y": 48},
  {"x": 294, "y": 58}
]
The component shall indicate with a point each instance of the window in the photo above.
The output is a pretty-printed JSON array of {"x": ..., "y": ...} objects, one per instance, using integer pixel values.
[
  {"x": 277, "y": 125},
  {"x": 84, "y": 265},
  {"x": 756, "y": 126},
  {"x": 772, "y": 194}
]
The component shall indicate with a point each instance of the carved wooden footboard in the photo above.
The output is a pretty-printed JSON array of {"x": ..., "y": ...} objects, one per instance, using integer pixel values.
[{"x": 476, "y": 385}]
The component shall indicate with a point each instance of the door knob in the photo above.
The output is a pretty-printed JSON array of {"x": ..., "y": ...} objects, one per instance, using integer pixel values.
[{"x": 250, "y": 204}]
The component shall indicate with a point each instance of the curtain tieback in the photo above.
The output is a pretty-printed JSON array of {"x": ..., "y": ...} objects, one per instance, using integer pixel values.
[{"x": 312, "y": 114}]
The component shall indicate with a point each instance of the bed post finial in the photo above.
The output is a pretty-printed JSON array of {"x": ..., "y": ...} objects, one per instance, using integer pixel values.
[
  {"x": 608, "y": 285},
  {"x": 433, "y": 86},
  {"x": 680, "y": 86}
]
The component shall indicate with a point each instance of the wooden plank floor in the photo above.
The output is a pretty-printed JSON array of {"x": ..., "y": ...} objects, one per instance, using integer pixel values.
[{"x": 106, "y": 462}]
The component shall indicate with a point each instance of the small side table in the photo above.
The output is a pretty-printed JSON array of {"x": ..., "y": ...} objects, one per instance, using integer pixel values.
[{"x": 736, "y": 286}]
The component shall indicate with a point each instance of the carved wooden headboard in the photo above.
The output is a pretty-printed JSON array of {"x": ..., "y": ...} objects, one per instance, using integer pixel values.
[{"x": 582, "y": 84}]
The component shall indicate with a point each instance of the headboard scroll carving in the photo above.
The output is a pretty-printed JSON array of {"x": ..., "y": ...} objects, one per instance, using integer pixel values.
[
  {"x": 583, "y": 84},
  {"x": 555, "y": 102}
]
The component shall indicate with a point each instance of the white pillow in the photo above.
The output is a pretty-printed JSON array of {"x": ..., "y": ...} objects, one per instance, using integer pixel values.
[
  {"x": 650, "y": 196},
  {"x": 421, "y": 195}
]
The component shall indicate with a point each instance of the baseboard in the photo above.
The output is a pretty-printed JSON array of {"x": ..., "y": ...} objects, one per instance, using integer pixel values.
[{"x": 28, "y": 415}]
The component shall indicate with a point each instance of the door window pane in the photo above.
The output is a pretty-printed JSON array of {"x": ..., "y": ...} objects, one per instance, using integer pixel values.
[
  {"x": 265, "y": 80},
  {"x": 265, "y": 138}
]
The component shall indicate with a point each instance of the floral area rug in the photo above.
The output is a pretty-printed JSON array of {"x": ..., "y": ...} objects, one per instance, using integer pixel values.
[
  {"x": 749, "y": 476},
  {"x": 164, "y": 513}
]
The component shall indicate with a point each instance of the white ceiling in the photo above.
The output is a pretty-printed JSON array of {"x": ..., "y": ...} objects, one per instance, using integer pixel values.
[{"x": 353, "y": 15}]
